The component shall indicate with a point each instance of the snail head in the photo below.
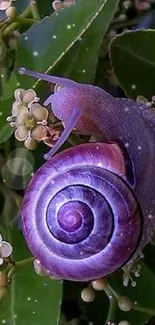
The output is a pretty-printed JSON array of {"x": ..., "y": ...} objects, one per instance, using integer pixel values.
[{"x": 70, "y": 103}]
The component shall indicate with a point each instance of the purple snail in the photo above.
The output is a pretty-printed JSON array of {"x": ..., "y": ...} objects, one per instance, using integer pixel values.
[{"x": 89, "y": 210}]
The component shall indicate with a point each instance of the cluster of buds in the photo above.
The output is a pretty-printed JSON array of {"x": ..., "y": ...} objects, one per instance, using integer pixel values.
[
  {"x": 58, "y": 4},
  {"x": 31, "y": 120},
  {"x": 5, "y": 250},
  {"x": 88, "y": 294}
]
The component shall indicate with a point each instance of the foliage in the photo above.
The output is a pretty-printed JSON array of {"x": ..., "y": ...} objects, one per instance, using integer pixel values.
[{"x": 74, "y": 42}]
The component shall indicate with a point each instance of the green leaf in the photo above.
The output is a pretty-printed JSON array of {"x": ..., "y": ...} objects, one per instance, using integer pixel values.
[
  {"x": 133, "y": 62},
  {"x": 6, "y": 101},
  {"x": 63, "y": 29},
  {"x": 83, "y": 56},
  {"x": 32, "y": 299},
  {"x": 143, "y": 296}
]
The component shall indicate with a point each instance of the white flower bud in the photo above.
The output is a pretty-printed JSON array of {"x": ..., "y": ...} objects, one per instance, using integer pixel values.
[
  {"x": 124, "y": 322},
  {"x": 124, "y": 303},
  {"x": 11, "y": 12},
  {"x": 99, "y": 284},
  {"x": 30, "y": 144},
  {"x": 57, "y": 4},
  {"x": 88, "y": 294}
]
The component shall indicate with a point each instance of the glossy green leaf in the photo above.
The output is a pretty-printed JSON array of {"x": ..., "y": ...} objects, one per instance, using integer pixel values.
[
  {"x": 6, "y": 101},
  {"x": 32, "y": 299},
  {"x": 133, "y": 61},
  {"x": 83, "y": 56},
  {"x": 44, "y": 53}
]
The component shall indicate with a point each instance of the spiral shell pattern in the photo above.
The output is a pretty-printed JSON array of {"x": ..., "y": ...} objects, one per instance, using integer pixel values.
[{"x": 79, "y": 215}]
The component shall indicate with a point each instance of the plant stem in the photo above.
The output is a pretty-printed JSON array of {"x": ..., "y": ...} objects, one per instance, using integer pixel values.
[
  {"x": 113, "y": 291},
  {"x": 9, "y": 29},
  {"x": 113, "y": 304},
  {"x": 25, "y": 21},
  {"x": 143, "y": 309},
  {"x": 35, "y": 11},
  {"x": 112, "y": 310},
  {"x": 24, "y": 262}
]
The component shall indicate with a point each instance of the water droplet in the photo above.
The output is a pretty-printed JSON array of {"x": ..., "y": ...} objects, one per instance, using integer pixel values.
[
  {"x": 28, "y": 298},
  {"x": 127, "y": 144},
  {"x": 133, "y": 86},
  {"x": 54, "y": 36},
  {"x": 26, "y": 38},
  {"x": 35, "y": 53},
  {"x": 69, "y": 26}
]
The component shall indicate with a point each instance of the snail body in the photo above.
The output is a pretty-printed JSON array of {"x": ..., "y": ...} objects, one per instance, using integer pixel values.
[{"x": 92, "y": 206}]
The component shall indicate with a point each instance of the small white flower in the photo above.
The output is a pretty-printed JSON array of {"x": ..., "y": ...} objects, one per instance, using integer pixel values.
[
  {"x": 5, "y": 250},
  {"x": 29, "y": 118}
]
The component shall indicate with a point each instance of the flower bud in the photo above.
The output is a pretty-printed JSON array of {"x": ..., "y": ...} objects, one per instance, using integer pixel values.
[
  {"x": 57, "y": 4},
  {"x": 11, "y": 12},
  {"x": 124, "y": 322},
  {"x": 3, "y": 279},
  {"x": 124, "y": 303},
  {"x": 30, "y": 144},
  {"x": 88, "y": 294},
  {"x": 141, "y": 99},
  {"x": 99, "y": 284}
]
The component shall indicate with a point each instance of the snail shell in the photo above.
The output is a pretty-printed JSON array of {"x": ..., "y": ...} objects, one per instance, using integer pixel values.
[{"x": 80, "y": 217}]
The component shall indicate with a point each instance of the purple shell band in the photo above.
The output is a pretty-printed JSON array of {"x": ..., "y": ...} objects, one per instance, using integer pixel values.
[{"x": 84, "y": 221}]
